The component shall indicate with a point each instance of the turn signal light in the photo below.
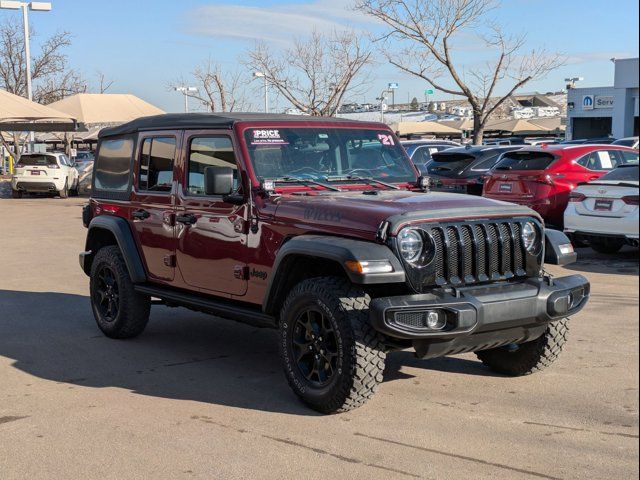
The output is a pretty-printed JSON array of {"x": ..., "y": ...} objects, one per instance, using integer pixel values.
[
  {"x": 631, "y": 199},
  {"x": 379, "y": 266}
]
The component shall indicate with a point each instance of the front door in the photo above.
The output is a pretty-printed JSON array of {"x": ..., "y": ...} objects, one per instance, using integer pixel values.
[
  {"x": 152, "y": 211},
  {"x": 211, "y": 233}
]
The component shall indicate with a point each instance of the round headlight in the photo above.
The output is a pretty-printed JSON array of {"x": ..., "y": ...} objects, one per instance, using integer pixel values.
[
  {"x": 410, "y": 244},
  {"x": 529, "y": 236}
]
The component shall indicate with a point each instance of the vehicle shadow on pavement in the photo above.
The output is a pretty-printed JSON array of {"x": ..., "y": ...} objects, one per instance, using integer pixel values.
[
  {"x": 182, "y": 355},
  {"x": 624, "y": 262}
]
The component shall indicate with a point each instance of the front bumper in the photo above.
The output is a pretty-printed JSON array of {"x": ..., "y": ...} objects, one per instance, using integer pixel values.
[{"x": 480, "y": 316}]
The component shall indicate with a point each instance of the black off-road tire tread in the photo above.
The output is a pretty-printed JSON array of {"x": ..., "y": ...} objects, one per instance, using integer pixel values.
[
  {"x": 348, "y": 303},
  {"x": 532, "y": 356},
  {"x": 135, "y": 308}
]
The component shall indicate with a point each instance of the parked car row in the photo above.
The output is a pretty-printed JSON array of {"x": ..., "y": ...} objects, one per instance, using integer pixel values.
[{"x": 590, "y": 191}]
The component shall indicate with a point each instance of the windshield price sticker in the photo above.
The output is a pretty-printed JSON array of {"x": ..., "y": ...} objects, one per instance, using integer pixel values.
[
  {"x": 386, "y": 140},
  {"x": 267, "y": 137}
]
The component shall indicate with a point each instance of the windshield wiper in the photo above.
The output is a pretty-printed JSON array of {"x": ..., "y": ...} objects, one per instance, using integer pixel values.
[
  {"x": 355, "y": 178},
  {"x": 306, "y": 180},
  {"x": 503, "y": 168}
]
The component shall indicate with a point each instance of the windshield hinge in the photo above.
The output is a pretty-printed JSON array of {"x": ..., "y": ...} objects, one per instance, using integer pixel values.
[{"x": 382, "y": 233}]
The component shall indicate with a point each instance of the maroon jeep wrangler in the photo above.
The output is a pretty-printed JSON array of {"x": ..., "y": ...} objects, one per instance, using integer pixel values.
[{"x": 323, "y": 229}]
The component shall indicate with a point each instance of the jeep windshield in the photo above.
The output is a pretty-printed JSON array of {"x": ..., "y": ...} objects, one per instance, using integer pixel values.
[{"x": 329, "y": 155}]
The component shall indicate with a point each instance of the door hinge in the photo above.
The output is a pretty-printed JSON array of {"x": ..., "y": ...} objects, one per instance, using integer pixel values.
[
  {"x": 241, "y": 272},
  {"x": 170, "y": 260}
]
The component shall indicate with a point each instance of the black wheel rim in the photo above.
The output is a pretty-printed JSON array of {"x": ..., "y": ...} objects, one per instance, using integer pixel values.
[
  {"x": 107, "y": 295},
  {"x": 315, "y": 347}
]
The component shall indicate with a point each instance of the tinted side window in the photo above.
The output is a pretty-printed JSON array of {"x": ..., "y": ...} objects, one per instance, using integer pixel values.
[
  {"x": 422, "y": 155},
  {"x": 113, "y": 165},
  {"x": 486, "y": 164},
  {"x": 209, "y": 152},
  {"x": 629, "y": 157},
  {"x": 600, "y": 160},
  {"x": 156, "y": 164}
]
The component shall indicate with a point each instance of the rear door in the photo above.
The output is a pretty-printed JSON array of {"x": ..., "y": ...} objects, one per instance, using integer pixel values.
[
  {"x": 211, "y": 233},
  {"x": 152, "y": 212}
]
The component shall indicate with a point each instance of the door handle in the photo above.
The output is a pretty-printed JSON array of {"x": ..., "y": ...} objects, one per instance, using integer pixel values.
[
  {"x": 187, "y": 219},
  {"x": 140, "y": 214}
]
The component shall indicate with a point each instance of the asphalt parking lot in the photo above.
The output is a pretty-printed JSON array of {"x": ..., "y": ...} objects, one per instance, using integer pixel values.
[{"x": 200, "y": 397}]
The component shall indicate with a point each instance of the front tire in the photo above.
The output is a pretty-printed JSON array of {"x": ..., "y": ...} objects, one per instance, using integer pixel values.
[
  {"x": 333, "y": 359},
  {"x": 119, "y": 310},
  {"x": 16, "y": 194},
  {"x": 529, "y": 357}
]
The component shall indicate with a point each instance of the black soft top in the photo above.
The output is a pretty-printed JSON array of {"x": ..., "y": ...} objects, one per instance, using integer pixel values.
[{"x": 209, "y": 120}]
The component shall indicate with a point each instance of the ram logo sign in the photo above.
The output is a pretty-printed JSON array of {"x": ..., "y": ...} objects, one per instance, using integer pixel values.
[{"x": 587, "y": 102}]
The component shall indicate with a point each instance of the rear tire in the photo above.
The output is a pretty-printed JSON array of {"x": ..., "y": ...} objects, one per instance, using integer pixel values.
[
  {"x": 16, "y": 194},
  {"x": 119, "y": 310},
  {"x": 607, "y": 246},
  {"x": 333, "y": 359},
  {"x": 529, "y": 357}
]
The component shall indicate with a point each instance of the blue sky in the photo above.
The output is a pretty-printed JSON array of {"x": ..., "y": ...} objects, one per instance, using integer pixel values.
[{"x": 143, "y": 45}]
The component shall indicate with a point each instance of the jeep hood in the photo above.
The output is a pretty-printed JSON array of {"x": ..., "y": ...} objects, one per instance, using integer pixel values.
[{"x": 360, "y": 214}]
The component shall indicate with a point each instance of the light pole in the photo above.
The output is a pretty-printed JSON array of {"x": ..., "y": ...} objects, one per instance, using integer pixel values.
[
  {"x": 266, "y": 89},
  {"x": 25, "y": 7},
  {"x": 382, "y": 98},
  {"x": 571, "y": 82},
  {"x": 185, "y": 91}
]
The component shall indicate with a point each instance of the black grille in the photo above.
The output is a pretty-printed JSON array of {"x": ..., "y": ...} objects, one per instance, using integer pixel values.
[{"x": 467, "y": 254}]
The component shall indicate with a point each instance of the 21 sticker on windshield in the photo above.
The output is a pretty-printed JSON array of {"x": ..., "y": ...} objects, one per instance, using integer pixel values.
[{"x": 386, "y": 140}]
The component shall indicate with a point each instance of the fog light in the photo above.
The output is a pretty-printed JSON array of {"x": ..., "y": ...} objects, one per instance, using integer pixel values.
[{"x": 436, "y": 320}]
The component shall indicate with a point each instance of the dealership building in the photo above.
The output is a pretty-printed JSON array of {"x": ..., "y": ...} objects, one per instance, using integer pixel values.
[{"x": 603, "y": 111}]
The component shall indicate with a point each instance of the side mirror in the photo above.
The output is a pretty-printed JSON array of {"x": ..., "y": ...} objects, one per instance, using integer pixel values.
[
  {"x": 218, "y": 180},
  {"x": 558, "y": 248}
]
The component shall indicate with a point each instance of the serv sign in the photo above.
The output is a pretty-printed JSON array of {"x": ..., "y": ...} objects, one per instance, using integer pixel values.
[{"x": 603, "y": 102}]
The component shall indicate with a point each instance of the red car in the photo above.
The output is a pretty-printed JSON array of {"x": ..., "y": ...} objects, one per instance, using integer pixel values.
[{"x": 543, "y": 177}]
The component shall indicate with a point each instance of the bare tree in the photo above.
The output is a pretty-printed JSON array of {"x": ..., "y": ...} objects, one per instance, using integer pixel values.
[
  {"x": 103, "y": 83},
  {"x": 50, "y": 73},
  {"x": 219, "y": 90},
  {"x": 426, "y": 29},
  {"x": 314, "y": 75}
]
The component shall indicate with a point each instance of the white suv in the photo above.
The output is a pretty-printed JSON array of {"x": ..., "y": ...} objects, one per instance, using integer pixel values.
[{"x": 45, "y": 172}]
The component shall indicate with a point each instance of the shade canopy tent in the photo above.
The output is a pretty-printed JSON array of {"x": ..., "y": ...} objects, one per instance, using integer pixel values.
[
  {"x": 514, "y": 127},
  {"x": 105, "y": 108},
  {"x": 404, "y": 129},
  {"x": 551, "y": 124},
  {"x": 18, "y": 114},
  {"x": 465, "y": 125}
]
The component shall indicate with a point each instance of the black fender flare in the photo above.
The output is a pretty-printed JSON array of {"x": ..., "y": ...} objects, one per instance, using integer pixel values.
[
  {"x": 339, "y": 250},
  {"x": 558, "y": 249},
  {"x": 121, "y": 231}
]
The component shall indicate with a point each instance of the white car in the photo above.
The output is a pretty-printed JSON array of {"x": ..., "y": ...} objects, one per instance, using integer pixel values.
[
  {"x": 45, "y": 173},
  {"x": 627, "y": 142},
  {"x": 604, "y": 213}
]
